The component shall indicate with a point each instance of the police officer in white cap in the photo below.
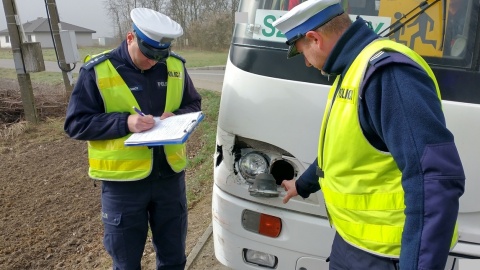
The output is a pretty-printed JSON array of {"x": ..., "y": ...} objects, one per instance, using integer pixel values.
[
  {"x": 118, "y": 93},
  {"x": 387, "y": 165}
]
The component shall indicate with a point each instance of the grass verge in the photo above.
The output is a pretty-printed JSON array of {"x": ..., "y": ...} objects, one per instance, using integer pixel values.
[
  {"x": 44, "y": 77},
  {"x": 201, "y": 164},
  {"x": 194, "y": 58}
]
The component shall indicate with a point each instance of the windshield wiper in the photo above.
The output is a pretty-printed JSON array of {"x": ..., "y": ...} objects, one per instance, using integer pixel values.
[{"x": 444, "y": 18}]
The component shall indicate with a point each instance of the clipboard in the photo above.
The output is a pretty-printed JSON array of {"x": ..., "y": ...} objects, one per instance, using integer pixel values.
[{"x": 171, "y": 130}]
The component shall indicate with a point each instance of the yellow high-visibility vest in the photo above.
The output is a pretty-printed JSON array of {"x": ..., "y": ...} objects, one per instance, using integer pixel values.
[
  {"x": 362, "y": 185},
  {"x": 111, "y": 159}
]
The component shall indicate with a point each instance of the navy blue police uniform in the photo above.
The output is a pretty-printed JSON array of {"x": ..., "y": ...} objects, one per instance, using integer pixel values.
[
  {"x": 160, "y": 199},
  {"x": 390, "y": 127}
]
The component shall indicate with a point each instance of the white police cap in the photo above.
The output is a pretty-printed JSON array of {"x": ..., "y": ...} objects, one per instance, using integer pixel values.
[
  {"x": 155, "y": 28},
  {"x": 305, "y": 17}
]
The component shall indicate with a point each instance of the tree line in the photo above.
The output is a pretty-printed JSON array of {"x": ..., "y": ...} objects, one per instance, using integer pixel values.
[{"x": 207, "y": 24}]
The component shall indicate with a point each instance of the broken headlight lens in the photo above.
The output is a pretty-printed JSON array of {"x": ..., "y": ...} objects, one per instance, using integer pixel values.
[{"x": 252, "y": 164}]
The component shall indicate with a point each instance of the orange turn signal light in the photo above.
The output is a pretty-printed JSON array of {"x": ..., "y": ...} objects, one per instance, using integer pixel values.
[
  {"x": 270, "y": 225},
  {"x": 261, "y": 223}
]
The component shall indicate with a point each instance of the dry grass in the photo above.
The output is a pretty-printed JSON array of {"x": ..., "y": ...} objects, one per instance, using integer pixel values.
[
  {"x": 13, "y": 130},
  {"x": 50, "y": 101}
]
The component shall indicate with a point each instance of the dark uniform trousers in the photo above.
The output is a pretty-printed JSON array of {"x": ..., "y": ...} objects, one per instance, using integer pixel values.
[
  {"x": 127, "y": 210},
  {"x": 345, "y": 256}
]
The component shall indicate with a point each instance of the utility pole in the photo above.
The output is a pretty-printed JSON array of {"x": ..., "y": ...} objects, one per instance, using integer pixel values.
[
  {"x": 23, "y": 77},
  {"x": 66, "y": 70}
]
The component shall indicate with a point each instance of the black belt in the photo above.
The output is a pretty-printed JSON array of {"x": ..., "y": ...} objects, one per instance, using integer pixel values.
[{"x": 320, "y": 172}]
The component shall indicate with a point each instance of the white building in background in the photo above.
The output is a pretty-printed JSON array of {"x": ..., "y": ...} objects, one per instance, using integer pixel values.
[
  {"x": 39, "y": 31},
  {"x": 108, "y": 41}
]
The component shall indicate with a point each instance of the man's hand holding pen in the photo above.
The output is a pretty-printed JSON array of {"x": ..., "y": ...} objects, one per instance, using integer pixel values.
[{"x": 140, "y": 122}]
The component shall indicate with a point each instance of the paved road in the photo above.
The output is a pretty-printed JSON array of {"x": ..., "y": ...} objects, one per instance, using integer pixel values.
[{"x": 210, "y": 78}]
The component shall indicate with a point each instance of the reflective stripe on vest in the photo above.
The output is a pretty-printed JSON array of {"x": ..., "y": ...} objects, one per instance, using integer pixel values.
[
  {"x": 362, "y": 185},
  {"x": 110, "y": 159},
  {"x": 176, "y": 153}
]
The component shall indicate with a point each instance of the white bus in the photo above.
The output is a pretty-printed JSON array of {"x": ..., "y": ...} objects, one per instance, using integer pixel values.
[{"x": 269, "y": 122}]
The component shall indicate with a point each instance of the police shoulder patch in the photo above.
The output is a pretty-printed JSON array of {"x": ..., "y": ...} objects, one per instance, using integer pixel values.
[
  {"x": 378, "y": 57},
  {"x": 381, "y": 59},
  {"x": 96, "y": 60},
  {"x": 178, "y": 57}
]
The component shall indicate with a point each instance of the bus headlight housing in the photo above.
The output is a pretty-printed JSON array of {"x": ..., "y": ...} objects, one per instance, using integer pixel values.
[
  {"x": 260, "y": 258},
  {"x": 251, "y": 164}
]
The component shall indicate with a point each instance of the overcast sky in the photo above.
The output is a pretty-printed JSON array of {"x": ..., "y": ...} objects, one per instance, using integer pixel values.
[{"x": 85, "y": 13}]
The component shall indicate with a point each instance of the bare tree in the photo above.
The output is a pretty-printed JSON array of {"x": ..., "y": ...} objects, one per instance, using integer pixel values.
[
  {"x": 205, "y": 23},
  {"x": 212, "y": 34},
  {"x": 212, "y": 30},
  {"x": 158, "y": 5},
  {"x": 119, "y": 12}
]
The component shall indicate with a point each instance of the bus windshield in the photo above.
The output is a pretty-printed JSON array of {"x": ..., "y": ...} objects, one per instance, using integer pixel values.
[{"x": 443, "y": 31}]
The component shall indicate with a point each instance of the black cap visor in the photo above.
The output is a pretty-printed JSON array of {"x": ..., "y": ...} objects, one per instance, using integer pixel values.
[
  {"x": 292, "y": 49},
  {"x": 151, "y": 52}
]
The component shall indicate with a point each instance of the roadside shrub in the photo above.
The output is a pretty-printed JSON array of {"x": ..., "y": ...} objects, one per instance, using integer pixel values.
[{"x": 213, "y": 33}]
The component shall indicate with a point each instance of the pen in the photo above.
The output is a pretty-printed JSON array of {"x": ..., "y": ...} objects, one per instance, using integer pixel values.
[{"x": 138, "y": 111}]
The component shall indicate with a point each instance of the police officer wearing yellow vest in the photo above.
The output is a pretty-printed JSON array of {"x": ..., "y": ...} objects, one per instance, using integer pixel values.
[
  {"x": 387, "y": 165},
  {"x": 141, "y": 187}
]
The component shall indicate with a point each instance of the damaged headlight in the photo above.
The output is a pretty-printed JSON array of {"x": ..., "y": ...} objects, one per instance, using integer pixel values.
[{"x": 251, "y": 164}]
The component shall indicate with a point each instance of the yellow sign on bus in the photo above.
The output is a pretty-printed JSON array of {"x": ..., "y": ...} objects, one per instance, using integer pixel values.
[{"x": 423, "y": 33}]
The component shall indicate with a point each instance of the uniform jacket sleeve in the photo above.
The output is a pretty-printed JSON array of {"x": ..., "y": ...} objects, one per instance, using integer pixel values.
[
  {"x": 402, "y": 114},
  {"x": 86, "y": 118},
  {"x": 308, "y": 183}
]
